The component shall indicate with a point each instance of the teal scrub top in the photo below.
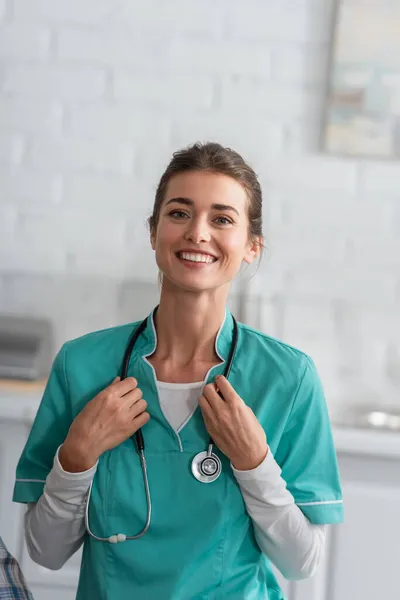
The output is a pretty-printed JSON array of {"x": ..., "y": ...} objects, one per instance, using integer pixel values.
[{"x": 201, "y": 543}]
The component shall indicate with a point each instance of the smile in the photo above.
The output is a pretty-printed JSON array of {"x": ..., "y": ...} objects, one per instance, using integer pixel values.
[{"x": 198, "y": 257}]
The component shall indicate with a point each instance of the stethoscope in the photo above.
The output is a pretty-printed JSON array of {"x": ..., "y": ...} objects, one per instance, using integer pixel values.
[{"x": 206, "y": 465}]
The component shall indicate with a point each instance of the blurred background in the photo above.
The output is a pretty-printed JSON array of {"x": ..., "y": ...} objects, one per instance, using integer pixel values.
[{"x": 95, "y": 95}]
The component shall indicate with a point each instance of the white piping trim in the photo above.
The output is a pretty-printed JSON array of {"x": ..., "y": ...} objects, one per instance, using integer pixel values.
[
  {"x": 156, "y": 381},
  {"x": 203, "y": 382},
  {"x": 30, "y": 480},
  {"x": 318, "y": 503}
]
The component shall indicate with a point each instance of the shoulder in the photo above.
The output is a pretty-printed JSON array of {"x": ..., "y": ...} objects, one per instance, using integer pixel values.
[
  {"x": 100, "y": 338},
  {"x": 274, "y": 352},
  {"x": 105, "y": 346}
]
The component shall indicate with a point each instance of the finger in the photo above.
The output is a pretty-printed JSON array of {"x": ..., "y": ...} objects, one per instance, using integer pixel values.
[
  {"x": 227, "y": 391},
  {"x": 206, "y": 407},
  {"x": 138, "y": 408},
  {"x": 141, "y": 420},
  {"x": 214, "y": 401},
  {"x": 214, "y": 396},
  {"x": 125, "y": 386},
  {"x": 132, "y": 397},
  {"x": 114, "y": 381},
  {"x": 211, "y": 394}
]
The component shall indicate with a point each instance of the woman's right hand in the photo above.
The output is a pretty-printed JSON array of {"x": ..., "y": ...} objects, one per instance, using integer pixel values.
[{"x": 115, "y": 414}]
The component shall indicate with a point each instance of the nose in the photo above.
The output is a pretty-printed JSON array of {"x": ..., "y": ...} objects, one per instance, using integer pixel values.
[{"x": 197, "y": 231}]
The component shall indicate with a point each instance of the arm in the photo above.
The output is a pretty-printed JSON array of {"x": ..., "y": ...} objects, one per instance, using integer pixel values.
[
  {"x": 55, "y": 524},
  {"x": 282, "y": 531}
]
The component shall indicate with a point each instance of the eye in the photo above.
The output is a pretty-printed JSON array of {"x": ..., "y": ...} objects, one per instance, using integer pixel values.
[
  {"x": 178, "y": 214},
  {"x": 223, "y": 221}
]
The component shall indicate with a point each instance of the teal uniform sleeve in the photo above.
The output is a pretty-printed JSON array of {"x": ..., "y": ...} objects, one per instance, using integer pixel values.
[
  {"x": 48, "y": 431},
  {"x": 306, "y": 453}
]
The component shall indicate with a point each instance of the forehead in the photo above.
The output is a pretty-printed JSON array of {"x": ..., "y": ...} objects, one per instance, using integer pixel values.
[{"x": 210, "y": 188}]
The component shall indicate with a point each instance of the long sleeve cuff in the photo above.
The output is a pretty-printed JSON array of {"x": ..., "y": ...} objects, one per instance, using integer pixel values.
[
  {"x": 264, "y": 483},
  {"x": 68, "y": 487}
]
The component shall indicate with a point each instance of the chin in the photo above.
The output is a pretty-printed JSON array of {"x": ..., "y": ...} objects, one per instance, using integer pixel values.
[{"x": 195, "y": 283}]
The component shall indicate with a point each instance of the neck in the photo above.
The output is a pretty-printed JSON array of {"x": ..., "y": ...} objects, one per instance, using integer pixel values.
[{"x": 187, "y": 325}]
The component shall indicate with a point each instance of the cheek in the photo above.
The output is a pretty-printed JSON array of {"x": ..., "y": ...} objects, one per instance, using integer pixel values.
[
  {"x": 165, "y": 236},
  {"x": 236, "y": 245}
]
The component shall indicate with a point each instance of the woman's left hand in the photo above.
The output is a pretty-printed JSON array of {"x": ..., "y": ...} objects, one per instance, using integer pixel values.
[{"x": 233, "y": 426}]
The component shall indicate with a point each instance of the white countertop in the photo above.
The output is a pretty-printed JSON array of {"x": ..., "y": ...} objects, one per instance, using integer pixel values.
[{"x": 20, "y": 401}]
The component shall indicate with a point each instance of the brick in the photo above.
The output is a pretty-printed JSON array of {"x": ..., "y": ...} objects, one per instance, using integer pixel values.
[
  {"x": 310, "y": 320},
  {"x": 174, "y": 16},
  {"x": 72, "y": 231},
  {"x": 109, "y": 48},
  {"x": 380, "y": 324},
  {"x": 140, "y": 261},
  {"x": 120, "y": 122},
  {"x": 96, "y": 191},
  {"x": 74, "y": 153},
  {"x": 89, "y": 12},
  {"x": 257, "y": 139},
  {"x": 302, "y": 64},
  {"x": 164, "y": 91},
  {"x": 25, "y": 42},
  {"x": 29, "y": 187},
  {"x": 382, "y": 178},
  {"x": 219, "y": 56},
  {"x": 314, "y": 173},
  {"x": 302, "y": 135},
  {"x": 260, "y": 96},
  {"x": 375, "y": 251},
  {"x": 357, "y": 356},
  {"x": 268, "y": 281},
  {"x": 3, "y": 8},
  {"x": 271, "y": 22},
  {"x": 67, "y": 83},
  {"x": 8, "y": 219},
  {"x": 135, "y": 299},
  {"x": 11, "y": 149},
  {"x": 302, "y": 209},
  {"x": 21, "y": 115},
  {"x": 263, "y": 315},
  {"x": 22, "y": 257},
  {"x": 293, "y": 246},
  {"x": 371, "y": 288},
  {"x": 392, "y": 216}
]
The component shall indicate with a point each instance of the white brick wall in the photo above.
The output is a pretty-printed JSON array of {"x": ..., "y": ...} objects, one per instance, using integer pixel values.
[{"x": 94, "y": 97}]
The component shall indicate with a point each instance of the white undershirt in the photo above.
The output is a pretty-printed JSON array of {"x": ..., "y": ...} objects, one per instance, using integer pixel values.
[
  {"x": 178, "y": 401},
  {"x": 55, "y": 527}
]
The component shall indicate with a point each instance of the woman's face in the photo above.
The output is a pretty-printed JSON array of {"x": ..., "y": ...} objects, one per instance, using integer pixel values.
[{"x": 202, "y": 236}]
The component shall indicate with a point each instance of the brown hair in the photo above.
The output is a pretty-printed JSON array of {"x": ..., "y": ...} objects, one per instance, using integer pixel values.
[{"x": 214, "y": 158}]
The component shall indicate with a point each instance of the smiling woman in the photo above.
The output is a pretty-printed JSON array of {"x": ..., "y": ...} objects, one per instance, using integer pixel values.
[{"x": 200, "y": 385}]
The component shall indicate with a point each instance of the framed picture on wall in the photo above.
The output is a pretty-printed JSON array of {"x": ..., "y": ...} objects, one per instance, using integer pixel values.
[{"x": 363, "y": 104}]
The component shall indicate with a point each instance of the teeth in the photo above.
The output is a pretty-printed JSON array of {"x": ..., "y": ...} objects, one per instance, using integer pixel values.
[{"x": 204, "y": 258}]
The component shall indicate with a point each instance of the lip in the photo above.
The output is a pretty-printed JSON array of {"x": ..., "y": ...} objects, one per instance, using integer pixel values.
[{"x": 193, "y": 251}]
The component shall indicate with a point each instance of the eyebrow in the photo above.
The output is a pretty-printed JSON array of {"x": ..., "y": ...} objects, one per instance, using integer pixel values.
[{"x": 189, "y": 202}]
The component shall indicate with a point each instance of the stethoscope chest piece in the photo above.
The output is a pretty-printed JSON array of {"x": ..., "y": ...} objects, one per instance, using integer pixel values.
[{"x": 206, "y": 466}]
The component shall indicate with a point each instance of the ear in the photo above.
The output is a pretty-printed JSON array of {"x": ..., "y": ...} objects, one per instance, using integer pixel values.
[
  {"x": 153, "y": 239},
  {"x": 253, "y": 250}
]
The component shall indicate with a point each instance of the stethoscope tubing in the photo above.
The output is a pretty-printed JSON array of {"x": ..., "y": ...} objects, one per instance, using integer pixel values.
[{"x": 139, "y": 440}]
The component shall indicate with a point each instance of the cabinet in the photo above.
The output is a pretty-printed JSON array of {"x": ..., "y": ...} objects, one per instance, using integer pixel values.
[
  {"x": 365, "y": 551},
  {"x": 362, "y": 555}
]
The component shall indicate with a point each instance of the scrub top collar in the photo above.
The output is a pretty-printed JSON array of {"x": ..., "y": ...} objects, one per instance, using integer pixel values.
[{"x": 147, "y": 341}]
